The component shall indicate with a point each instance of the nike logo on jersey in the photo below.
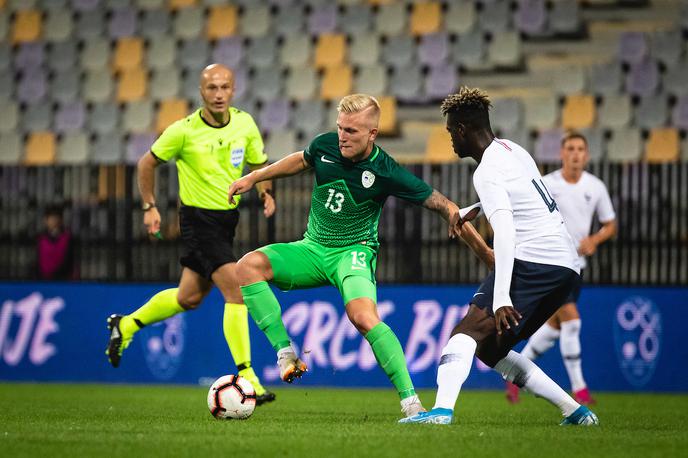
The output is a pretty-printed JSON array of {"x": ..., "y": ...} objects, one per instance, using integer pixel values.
[{"x": 322, "y": 158}]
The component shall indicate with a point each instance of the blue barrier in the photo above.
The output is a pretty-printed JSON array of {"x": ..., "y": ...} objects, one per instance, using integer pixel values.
[{"x": 631, "y": 337}]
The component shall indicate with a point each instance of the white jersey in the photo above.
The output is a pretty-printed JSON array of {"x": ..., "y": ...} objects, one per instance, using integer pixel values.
[
  {"x": 578, "y": 202},
  {"x": 508, "y": 179}
]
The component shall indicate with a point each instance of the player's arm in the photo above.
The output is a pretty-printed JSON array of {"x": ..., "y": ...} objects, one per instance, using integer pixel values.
[
  {"x": 588, "y": 246},
  {"x": 145, "y": 173},
  {"x": 502, "y": 222},
  {"x": 293, "y": 164},
  {"x": 264, "y": 189}
]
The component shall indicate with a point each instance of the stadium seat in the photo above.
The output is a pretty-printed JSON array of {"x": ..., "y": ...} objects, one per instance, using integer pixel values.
[
  {"x": 262, "y": 52},
  {"x": 596, "y": 143},
  {"x": 564, "y": 18},
  {"x": 441, "y": 79},
  {"x": 364, "y": 49},
  {"x": 356, "y": 19},
  {"x": 193, "y": 54},
  {"x": 633, "y": 47},
  {"x": 137, "y": 117},
  {"x": 406, "y": 84},
  {"x": 36, "y": 117},
  {"x": 150, "y": 4},
  {"x": 679, "y": 114},
  {"x": 9, "y": 117},
  {"x": 70, "y": 116},
  {"x": 128, "y": 54},
  {"x": 506, "y": 114},
  {"x": 5, "y": 57},
  {"x": 651, "y": 112},
  {"x": 255, "y": 21},
  {"x": 58, "y": 25},
  {"x": 674, "y": 80},
  {"x": 301, "y": 83},
  {"x": 469, "y": 50},
  {"x": 568, "y": 79},
  {"x": 160, "y": 53},
  {"x": 519, "y": 136},
  {"x": 103, "y": 118},
  {"x": 85, "y": 5},
  {"x": 643, "y": 78},
  {"x": 26, "y": 26},
  {"x": 90, "y": 24},
  {"x": 164, "y": 84},
  {"x": 496, "y": 18},
  {"x": 155, "y": 23},
  {"x": 323, "y": 19},
  {"x": 107, "y": 149},
  {"x": 228, "y": 51},
  {"x": 662, "y": 145},
  {"x": 62, "y": 55},
  {"x": 40, "y": 149},
  {"x": 10, "y": 148},
  {"x": 188, "y": 23},
  {"x": 95, "y": 54},
  {"x": 308, "y": 116},
  {"x": 624, "y": 146},
  {"x": 123, "y": 22},
  {"x": 433, "y": 49},
  {"x": 530, "y": 18},
  {"x": 33, "y": 87},
  {"x": 460, "y": 17},
  {"x": 137, "y": 145},
  {"x": 666, "y": 46},
  {"x": 547, "y": 146},
  {"x": 615, "y": 111},
  {"x": 266, "y": 84},
  {"x": 290, "y": 20},
  {"x": 73, "y": 149},
  {"x": 280, "y": 144},
  {"x": 222, "y": 22},
  {"x": 371, "y": 79},
  {"x": 388, "y": 116},
  {"x": 336, "y": 82},
  {"x": 330, "y": 51},
  {"x": 29, "y": 56},
  {"x": 296, "y": 51},
  {"x": 274, "y": 115},
  {"x": 541, "y": 112},
  {"x": 438, "y": 148},
  {"x": 399, "y": 51},
  {"x": 391, "y": 19},
  {"x": 578, "y": 112},
  {"x": 605, "y": 79},
  {"x": 181, "y": 4},
  {"x": 4, "y": 26},
  {"x": 132, "y": 85},
  {"x": 170, "y": 111},
  {"x": 98, "y": 85},
  {"x": 425, "y": 18}
]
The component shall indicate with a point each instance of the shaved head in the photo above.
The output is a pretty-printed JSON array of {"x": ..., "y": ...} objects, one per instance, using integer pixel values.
[
  {"x": 217, "y": 89},
  {"x": 214, "y": 70}
]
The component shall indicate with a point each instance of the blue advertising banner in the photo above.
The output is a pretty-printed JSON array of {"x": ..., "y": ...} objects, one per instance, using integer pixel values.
[{"x": 631, "y": 337}]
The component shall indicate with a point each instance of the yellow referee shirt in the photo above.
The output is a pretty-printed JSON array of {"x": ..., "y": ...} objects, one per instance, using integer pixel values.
[{"x": 209, "y": 159}]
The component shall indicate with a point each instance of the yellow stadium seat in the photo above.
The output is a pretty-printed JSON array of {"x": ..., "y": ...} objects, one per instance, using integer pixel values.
[
  {"x": 388, "y": 115},
  {"x": 662, "y": 145},
  {"x": 381, "y": 2},
  {"x": 426, "y": 17},
  {"x": 40, "y": 149},
  {"x": 222, "y": 22},
  {"x": 170, "y": 111},
  {"x": 111, "y": 182},
  {"x": 330, "y": 50},
  {"x": 132, "y": 85},
  {"x": 179, "y": 4},
  {"x": 128, "y": 54},
  {"x": 26, "y": 26},
  {"x": 336, "y": 82},
  {"x": 438, "y": 149},
  {"x": 579, "y": 112}
]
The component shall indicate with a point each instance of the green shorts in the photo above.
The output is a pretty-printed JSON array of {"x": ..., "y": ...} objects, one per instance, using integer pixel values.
[{"x": 307, "y": 264}]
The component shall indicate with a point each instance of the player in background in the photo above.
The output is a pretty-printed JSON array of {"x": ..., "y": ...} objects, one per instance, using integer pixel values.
[
  {"x": 535, "y": 266},
  {"x": 211, "y": 147},
  {"x": 353, "y": 178},
  {"x": 579, "y": 195}
]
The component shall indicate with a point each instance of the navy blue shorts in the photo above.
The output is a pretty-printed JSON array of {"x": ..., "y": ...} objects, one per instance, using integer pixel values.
[
  {"x": 537, "y": 291},
  {"x": 575, "y": 291}
]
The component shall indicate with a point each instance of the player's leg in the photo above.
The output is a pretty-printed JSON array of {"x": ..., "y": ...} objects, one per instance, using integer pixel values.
[
  {"x": 235, "y": 327},
  {"x": 570, "y": 347},
  {"x": 165, "y": 304}
]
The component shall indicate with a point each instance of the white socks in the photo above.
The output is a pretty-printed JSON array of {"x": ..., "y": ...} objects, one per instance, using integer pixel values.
[
  {"x": 455, "y": 364},
  {"x": 521, "y": 371},
  {"x": 570, "y": 351},
  {"x": 543, "y": 339}
]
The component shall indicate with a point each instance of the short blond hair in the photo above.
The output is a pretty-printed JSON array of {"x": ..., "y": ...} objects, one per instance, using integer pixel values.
[{"x": 355, "y": 103}]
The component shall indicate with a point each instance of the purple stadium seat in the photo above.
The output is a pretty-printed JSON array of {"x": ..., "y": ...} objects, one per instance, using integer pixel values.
[
  {"x": 229, "y": 51},
  {"x": 531, "y": 17},
  {"x": 440, "y": 81},
  {"x": 323, "y": 19},
  {"x": 274, "y": 115},
  {"x": 679, "y": 117},
  {"x": 33, "y": 86},
  {"x": 137, "y": 146},
  {"x": 633, "y": 47},
  {"x": 241, "y": 82},
  {"x": 70, "y": 116},
  {"x": 433, "y": 49},
  {"x": 85, "y": 5},
  {"x": 547, "y": 146},
  {"x": 122, "y": 23},
  {"x": 29, "y": 56},
  {"x": 643, "y": 78}
]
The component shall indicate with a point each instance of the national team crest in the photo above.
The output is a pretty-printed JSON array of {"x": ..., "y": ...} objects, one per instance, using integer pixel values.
[
  {"x": 367, "y": 179},
  {"x": 237, "y": 156},
  {"x": 163, "y": 347}
]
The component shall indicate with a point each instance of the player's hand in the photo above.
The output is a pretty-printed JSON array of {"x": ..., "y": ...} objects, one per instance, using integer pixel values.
[
  {"x": 455, "y": 223},
  {"x": 268, "y": 205},
  {"x": 151, "y": 219},
  {"x": 587, "y": 247},
  {"x": 240, "y": 186},
  {"x": 506, "y": 316}
]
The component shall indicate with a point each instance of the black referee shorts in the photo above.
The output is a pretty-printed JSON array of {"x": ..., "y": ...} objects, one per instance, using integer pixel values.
[
  {"x": 208, "y": 236},
  {"x": 537, "y": 291}
]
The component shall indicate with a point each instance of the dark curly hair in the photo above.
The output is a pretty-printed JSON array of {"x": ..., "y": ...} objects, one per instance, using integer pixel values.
[{"x": 470, "y": 105}]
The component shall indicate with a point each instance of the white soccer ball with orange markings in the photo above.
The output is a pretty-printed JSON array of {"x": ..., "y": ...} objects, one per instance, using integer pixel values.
[{"x": 231, "y": 397}]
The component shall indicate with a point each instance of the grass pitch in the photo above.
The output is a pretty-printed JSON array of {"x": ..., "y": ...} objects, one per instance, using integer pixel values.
[{"x": 121, "y": 420}]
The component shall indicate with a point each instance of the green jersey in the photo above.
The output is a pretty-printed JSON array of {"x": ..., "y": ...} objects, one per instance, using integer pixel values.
[
  {"x": 209, "y": 159},
  {"x": 348, "y": 196}
]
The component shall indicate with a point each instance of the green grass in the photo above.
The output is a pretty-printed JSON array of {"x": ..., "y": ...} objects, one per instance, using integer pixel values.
[{"x": 122, "y": 420}]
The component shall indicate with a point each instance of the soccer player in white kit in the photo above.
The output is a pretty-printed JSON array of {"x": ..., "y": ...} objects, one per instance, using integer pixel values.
[
  {"x": 579, "y": 195},
  {"x": 535, "y": 266}
]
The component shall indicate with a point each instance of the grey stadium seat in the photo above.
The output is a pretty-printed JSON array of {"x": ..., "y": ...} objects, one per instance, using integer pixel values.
[
  {"x": 10, "y": 148},
  {"x": 107, "y": 149},
  {"x": 73, "y": 149},
  {"x": 625, "y": 145},
  {"x": 103, "y": 118}
]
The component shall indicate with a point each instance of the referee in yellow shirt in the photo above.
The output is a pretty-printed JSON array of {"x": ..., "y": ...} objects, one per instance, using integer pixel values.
[{"x": 211, "y": 147}]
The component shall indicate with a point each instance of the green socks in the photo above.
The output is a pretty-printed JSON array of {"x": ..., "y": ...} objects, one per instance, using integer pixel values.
[
  {"x": 266, "y": 312},
  {"x": 390, "y": 357},
  {"x": 160, "y": 307},
  {"x": 235, "y": 327}
]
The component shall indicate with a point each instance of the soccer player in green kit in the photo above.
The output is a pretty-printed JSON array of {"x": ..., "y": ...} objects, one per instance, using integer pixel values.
[
  {"x": 211, "y": 146},
  {"x": 353, "y": 178}
]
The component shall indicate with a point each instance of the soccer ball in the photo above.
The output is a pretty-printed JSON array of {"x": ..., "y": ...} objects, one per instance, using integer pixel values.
[{"x": 231, "y": 396}]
